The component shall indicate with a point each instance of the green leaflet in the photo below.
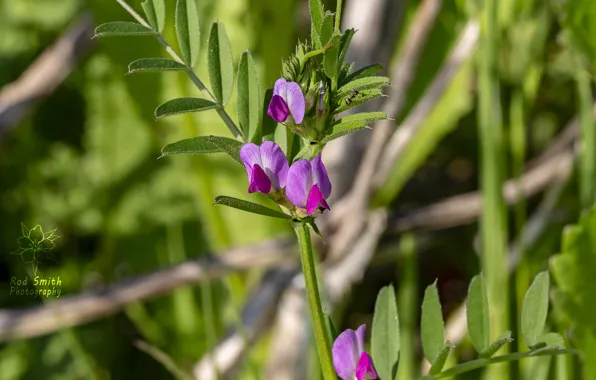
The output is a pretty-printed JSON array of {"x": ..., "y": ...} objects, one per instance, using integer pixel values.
[
  {"x": 535, "y": 309},
  {"x": 363, "y": 72},
  {"x": 317, "y": 13},
  {"x": 249, "y": 207},
  {"x": 366, "y": 117},
  {"x": 249, "y": 103},
  {"x": 155, "y": 10},
  {"x": 502, "y": 340},
  {"x": 155, "y": 65},
  {"x": 441, "y": 359},
  {"x": 330, "y": 60},
  {"x": 220, "y": 64},
  {"x": 358, "y": 99},
  {"x": 195, "y": 145},
  {"x": 478, "y": 314},
  {"x": 342, "y": 129},
  {"x": 367, "y": 83},
  {"x": 123, "y": 28},
  {"x": 432, "y": 329},
  {"x": 188, "y": 31},
  {"x": 183, "y": 105},
  {"x": 228, "y": 146},
  {"x": 385, "y": 339}
]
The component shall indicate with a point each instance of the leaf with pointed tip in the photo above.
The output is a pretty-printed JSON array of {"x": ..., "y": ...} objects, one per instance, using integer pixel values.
[
  {"x": 148, "y": 65},
  {"x": 367, "y": 83},
  {"x": 195, "y": 145},
  {"x": 326, "y": 31},
  {"x": 155, "y": 10},
  {"x": 330, "y": 59},
  {"x": 367, "y": 117},
  {"x": 441, "y": 359},
  {"x": 330, "y": 328},
  {"x": 432, "y": 329},
  {"x": 228, "y": 146},
  {"x": 249, "y": 106},
  {"x": 385, "y": 343},
  {"x": 184, "y": 105},
  {"x": 123, "y": 28},
  {"x": 346, "y": 38},
  {"x": 249, "y": 207},
  {"x": 317, "y": 13},
  {"x": 342, "y": 129},
  {"x": 478, "y": 315},
  {"x": 535, "y": 309},
  {"x": 268, "y": 124},
  {"x": 364, "y": 72},
  {"x": 550, "y": 340},
  {"x": 361, "y": 98},
  {"x": 188, "y": 31},
  {"x": 311, "y": 223},
  {"x": 220, "y": 63},
  {"x": 502, "y": 340}
]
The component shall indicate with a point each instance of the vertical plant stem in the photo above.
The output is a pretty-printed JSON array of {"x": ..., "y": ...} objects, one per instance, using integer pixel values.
[
  {"x": 314, "y": 300},
  {"x": 407, "y": 304},
  {"x": 338, "y": 16},
  {"x": 588, "y": 139},
  {"x": 493, "y": 221},
  {"x": 517, "y": 141}
]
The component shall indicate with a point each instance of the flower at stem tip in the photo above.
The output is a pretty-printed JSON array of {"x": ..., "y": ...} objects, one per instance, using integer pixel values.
[
  {"x": 266, "y": 166},
  {"x": 287, "y": 100},
  {"x": 350, "y": 360},
  {"x": 308, "y": 185}
]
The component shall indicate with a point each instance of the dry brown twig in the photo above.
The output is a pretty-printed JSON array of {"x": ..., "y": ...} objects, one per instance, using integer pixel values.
[
  {"x": 45, "y": 74},
  {"x": 91, "y": 305}
]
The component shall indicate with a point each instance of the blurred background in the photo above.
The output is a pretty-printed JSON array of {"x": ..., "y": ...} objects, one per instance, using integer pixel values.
[{"x": 79, "y": 148}]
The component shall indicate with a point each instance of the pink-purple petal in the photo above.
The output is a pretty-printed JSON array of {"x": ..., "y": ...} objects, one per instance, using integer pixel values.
[
  {"x": 278, "y": 109},
  {"x": 365, "y": 369},
  {"x": 259, "y": 181},
  {"x": 295, "y": 100},
  {"x": 320, "y": 177},
  {"x": 345, "y": 354},
  {"x": 297, "y": 184},
  {"x": 360, "y": 335},
  {"x": 275, "y": 163},
  {"x": 280, "y": 87},
  {"x": 315, "y": 199},
  {"x": 250, "y": 156}
]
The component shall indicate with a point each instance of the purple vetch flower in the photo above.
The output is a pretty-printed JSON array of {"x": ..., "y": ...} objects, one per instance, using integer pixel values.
[
  {"x": 350, "y": 360},
  {"x": 266, "y": 165},
  {"x": 287, "y": 100},
  {"x": 308, "y": 184}
]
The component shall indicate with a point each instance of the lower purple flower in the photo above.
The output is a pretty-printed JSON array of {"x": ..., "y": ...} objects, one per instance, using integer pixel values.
[
  {"x": 308, "y": 185},
  {"x": 266, "y": 166},
  {"x": 350, "y": 360}
]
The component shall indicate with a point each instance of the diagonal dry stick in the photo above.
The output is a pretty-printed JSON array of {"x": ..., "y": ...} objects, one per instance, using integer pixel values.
[
  {"x": 95, "y": 304},
  {"x": 45, "y": 74}
]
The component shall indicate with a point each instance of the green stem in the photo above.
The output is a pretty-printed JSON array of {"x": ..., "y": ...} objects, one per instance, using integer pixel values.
[
  {"x": 588, "y": 139},
  {"x": 479, "y": 363},
  {"x": 407, "y": 302},
  {"x": 338, "y": 16},
  {"x": 493, "y": 222},
  {"x": 314, "y": 300},
  {"x": 191, "y": 74}
]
